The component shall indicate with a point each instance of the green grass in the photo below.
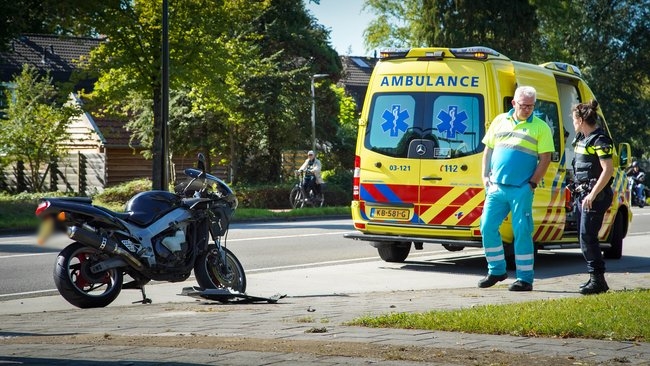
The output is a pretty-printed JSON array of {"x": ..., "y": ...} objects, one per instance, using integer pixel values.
[
  {"x": 17, "y": 212},
  {"x": 620, "y": 315}
]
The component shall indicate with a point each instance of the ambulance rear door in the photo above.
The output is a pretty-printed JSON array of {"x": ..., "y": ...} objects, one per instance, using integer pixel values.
[{"x": 451, "y": 189}]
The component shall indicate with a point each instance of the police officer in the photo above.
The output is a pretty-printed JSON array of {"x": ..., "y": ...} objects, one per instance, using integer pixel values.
[
  {"x": 518, "y": 148},
  {"x": 593, "y": 170}
]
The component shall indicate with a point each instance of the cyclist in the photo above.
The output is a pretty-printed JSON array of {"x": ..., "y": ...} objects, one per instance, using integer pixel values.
[{"x": 312, "y": 167}]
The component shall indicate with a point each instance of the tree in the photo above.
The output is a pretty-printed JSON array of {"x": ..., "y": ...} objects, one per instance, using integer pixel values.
[
  {"x": 458, "y": 23},
  {"x": 275, "y": 102},
  {"x": 608, "y": 40},
  {"x": 62, "y": 17},
  {"x": 203, "y": 37},
  {"x": 35, "y": 125},
  {"x": 344, "y": 144}
]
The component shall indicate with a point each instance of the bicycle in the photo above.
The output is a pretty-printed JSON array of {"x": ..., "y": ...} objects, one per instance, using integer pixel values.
[{"x": 301, "y": 195}]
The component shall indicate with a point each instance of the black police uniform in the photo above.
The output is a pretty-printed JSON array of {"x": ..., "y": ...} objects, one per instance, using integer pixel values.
[{"x": 589, "y": 150}]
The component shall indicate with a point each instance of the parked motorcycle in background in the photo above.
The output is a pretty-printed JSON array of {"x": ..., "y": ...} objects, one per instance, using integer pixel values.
[
  {"x": 303, "y": 193},
  {"x": 637, "y": 188},
  {"x": 161, "y": 236}
]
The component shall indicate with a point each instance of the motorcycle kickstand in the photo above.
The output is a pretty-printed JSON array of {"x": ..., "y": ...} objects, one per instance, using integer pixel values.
[{"x": 145, "y": 299}]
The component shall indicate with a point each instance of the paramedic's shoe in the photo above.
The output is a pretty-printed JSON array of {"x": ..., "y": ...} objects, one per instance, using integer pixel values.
[
  {"x": 491, "y": 280},
  {"x": 521, "y": 286}
]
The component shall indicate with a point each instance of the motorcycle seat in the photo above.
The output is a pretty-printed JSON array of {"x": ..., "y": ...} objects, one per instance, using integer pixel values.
[{"x": 121, "y": 215}]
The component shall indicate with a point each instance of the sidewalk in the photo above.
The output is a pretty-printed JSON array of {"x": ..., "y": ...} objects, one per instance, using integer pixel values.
[{"x": 301, "y": 330}]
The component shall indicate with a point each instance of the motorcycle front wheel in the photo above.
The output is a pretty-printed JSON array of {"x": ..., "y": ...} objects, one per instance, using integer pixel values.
[
  {"x": 209, "y": 276},
  {"x": 78, "y": 285}
]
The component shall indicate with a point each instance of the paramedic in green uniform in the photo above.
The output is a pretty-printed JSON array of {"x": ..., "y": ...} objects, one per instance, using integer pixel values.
[
  {"x": 518, "y": 147},
  {"x": 593, "y": 169}
]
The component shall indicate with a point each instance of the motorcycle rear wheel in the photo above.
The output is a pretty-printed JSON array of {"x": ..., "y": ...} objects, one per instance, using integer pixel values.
[
  {"x": 78, "y": 285},
  {"x": 209, "y": 276}
]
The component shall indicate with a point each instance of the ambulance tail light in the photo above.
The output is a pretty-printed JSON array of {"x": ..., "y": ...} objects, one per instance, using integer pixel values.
[
  {"x": 476, "y": 53},
  {"x": 355, "y": 178}
]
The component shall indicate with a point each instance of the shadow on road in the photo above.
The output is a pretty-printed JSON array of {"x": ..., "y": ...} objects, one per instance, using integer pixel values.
[{"x": 548, "y": 264}]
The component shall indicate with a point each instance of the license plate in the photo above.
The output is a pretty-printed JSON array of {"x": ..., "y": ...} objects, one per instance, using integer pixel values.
[{"x": 390, "y": 213}]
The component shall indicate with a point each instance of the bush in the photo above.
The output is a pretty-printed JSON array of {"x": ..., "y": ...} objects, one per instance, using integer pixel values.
[{"x": 122, "y": 193}]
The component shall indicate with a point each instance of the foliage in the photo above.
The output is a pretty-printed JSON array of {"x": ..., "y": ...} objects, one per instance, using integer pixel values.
[
  {"x": 43, "y": 16},
  {"x": 607, "y": 40},
  {"x": 420, "y": 23},
  {"x": 611, "y": 316},
  {"x": 341, "y": 154},
  {"x": 273, "y": 111},
  {"x": 35, "y": 125},
  {"x": 120, "y": 194},
  {"x": 203, "y": 35}
]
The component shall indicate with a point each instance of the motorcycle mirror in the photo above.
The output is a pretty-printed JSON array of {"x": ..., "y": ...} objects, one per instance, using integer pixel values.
[{"x": 201, "y": 163}]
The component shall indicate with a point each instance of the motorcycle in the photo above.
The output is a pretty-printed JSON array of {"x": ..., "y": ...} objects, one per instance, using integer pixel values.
[
  {"x": 633, "y": 183},
  {"x": 161, "y": 236},
  {"x": 303, "y": 192}
]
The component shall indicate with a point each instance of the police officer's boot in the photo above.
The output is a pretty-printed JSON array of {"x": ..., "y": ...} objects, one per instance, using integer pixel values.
[
  {"x": 585, "y": 284},
  {"x": 596, "y": 285}
]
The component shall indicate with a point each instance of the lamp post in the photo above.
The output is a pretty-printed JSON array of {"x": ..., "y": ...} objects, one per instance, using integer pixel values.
[{"x": 313, "y": 109}]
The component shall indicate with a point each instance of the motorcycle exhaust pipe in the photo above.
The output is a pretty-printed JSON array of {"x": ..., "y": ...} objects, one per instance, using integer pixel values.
[{"x": 102, "y": 243}]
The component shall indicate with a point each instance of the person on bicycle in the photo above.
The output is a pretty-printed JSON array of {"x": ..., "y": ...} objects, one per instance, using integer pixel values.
[{"x": 312, "y": 168}]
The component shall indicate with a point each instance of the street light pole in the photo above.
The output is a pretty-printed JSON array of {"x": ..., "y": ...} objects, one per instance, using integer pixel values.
[{"x": 313, "y": 110}]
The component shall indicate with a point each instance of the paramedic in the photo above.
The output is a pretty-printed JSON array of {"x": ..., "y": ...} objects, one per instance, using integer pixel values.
[
  {"x": 518, "y": 147},
  {"x": 312, "y": 166},
  {"x": 593, "y": 170}
]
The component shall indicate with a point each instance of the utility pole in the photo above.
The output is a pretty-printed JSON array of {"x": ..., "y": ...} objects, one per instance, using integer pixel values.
[{"x": 313, "y": 109}]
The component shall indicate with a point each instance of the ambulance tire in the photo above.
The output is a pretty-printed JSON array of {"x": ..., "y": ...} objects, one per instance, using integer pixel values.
[
  {"x": 394, "y": 252},
  {"x": 453, "y": 248},
  {"x": 616, "y": 239}
]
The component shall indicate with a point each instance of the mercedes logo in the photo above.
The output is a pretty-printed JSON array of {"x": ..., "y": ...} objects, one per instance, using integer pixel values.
[{"x": 421, "y": 150}]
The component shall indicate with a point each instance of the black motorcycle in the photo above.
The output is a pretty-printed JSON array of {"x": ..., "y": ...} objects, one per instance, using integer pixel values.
[{"x": 161, "y": 236}]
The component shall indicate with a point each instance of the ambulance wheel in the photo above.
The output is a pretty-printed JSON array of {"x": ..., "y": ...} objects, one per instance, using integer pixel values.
[
  {"x": 453, "y": 248},
  {"x": 393, "y": 252},
  {"x": 615, "y": 251}
]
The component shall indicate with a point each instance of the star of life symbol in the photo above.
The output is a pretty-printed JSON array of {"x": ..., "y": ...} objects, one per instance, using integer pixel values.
[
  {"x": 452, "y": 121},
  {"x": 395, "y": 120}
]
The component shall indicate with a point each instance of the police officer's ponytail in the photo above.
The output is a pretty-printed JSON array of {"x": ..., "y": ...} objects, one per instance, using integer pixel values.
[{"x": 587, "y": 111}]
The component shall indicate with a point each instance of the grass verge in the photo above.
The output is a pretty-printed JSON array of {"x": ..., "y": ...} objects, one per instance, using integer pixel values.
[
  {"x": 619, "y": 315},
  {"x": 17, "y": 214}
]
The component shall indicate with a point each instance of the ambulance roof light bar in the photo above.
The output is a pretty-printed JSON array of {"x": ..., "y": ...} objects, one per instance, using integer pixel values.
[
  {"x": 563, "y": 66},
  {"x": 476, "y": 52},
  {"x": 389, "y": 53}
]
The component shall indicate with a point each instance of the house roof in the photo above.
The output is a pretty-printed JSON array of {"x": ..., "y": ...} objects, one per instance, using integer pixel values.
[
  {"x": 357, "y": 69},
  {"x": 56, "y": 54},
  {"x": 356, "y": 75},
  {"x": 113, "y": 132}
]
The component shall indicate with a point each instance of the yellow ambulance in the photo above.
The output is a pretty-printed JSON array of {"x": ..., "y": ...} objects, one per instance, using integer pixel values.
[{"x": 417, "y": 172}]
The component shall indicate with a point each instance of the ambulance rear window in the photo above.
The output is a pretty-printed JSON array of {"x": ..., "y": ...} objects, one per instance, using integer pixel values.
[{"x": 451, "y": 124}]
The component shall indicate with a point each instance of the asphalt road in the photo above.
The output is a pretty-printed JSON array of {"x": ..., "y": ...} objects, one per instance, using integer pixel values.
[{"x": 273, "y": 247}]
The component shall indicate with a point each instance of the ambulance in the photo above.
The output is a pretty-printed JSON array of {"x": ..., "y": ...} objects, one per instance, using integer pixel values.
[{"x": 417, "y": 169}]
